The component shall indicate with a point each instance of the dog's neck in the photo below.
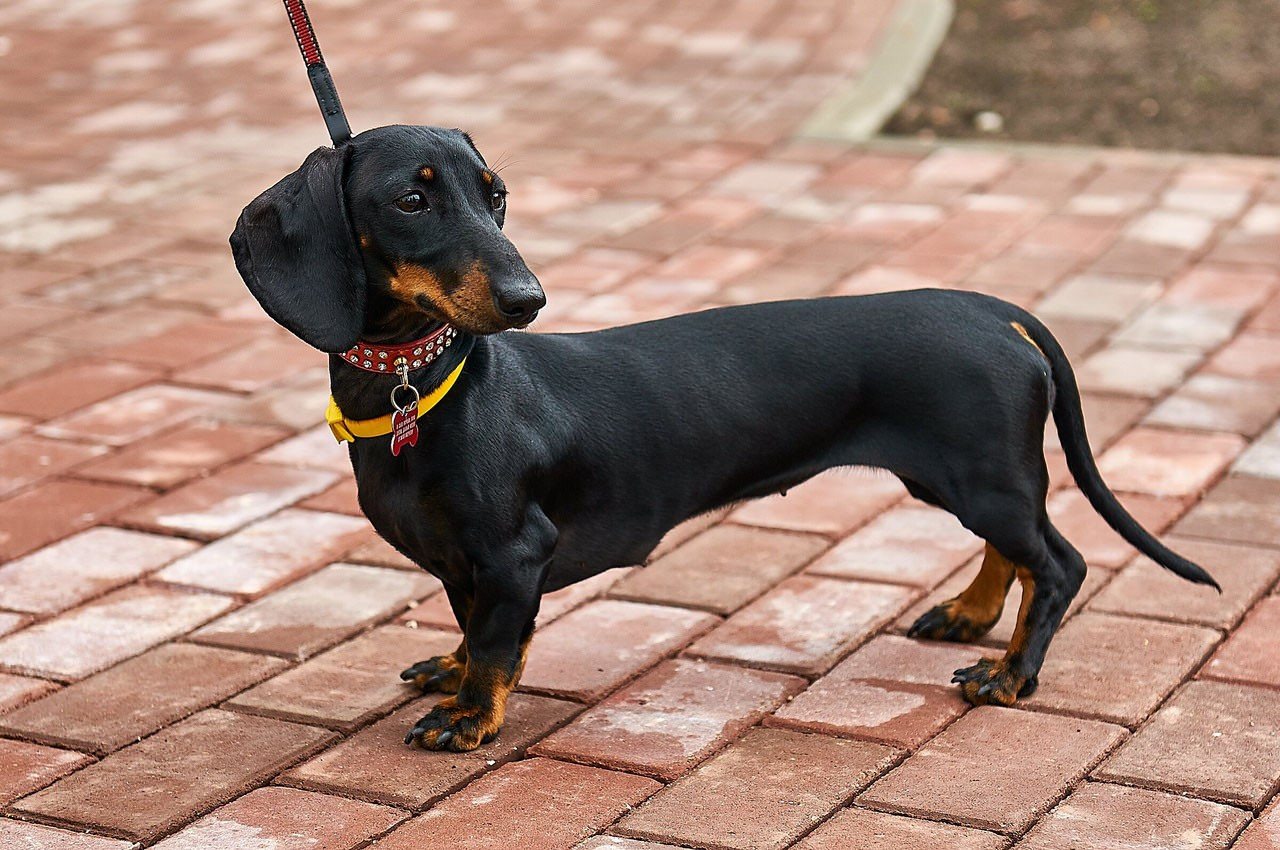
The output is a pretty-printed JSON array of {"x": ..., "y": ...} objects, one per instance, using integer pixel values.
[{"x": 363, "y": 394}]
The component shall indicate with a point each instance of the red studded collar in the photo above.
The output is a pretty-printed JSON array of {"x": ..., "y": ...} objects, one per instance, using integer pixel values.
[{"x": 416, "y": 354}]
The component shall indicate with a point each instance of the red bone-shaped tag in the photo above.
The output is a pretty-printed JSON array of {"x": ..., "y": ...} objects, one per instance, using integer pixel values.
[{"x": 404, "y": 429}]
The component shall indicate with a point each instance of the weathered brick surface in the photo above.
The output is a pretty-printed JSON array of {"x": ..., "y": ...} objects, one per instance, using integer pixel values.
[
  {"x": 16, "y": 691},
  {"x": 107, "y": 630},
  {"x": 317, "y": 611},
  {"x": 25, "y": 460},
  {"x": 1240, "y": 509},
  {"x": 228, "y": 500},
  {"x": 350, "y": 685},
  {"x": 539, "y": 804},
  {"x": 1263, "y": 833},
  {"x": 1212, "y": 739},
  {"x": 268, "y": 553},
  {"x": 179, "y": 455},
  {"x": 589, "y": 652},
  {"x": 761, "y": 793},
  {"x": 1252, "y": 653},
  {"x": 1118, "y": 669},
  {"x": 1099, "y": 816},
  {"x": 27, "y": 767},
  {"x": 882, "y": 831},
  {"x": 901, "y": 715},
  {"x": 975, "y": 773},
  {"x": 671, "y": 718},
  {"x": 85, "y": 565},
  {"x": 910, "y": 544},
  {"x": 186, "y": 769},
  {"x": 832, "y": 504},
  {"x": 722, "y": 569},
  {"x": 375, "y": 764},
  {"x": 804, "y": 624},
  {"x": 53, "y": 509},
  {"x": 33, "y": 836},
  {"x": 286, "y": 819},
  {"x": 138, "y": 697}
]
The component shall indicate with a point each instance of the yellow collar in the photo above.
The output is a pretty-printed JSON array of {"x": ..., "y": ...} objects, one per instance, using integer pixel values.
[{"x": 347, "y": 430}]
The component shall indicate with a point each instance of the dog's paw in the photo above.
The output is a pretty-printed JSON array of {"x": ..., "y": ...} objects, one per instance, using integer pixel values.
[
  {"x": 948, "y": 621},
  {"x": 442, "y": 674},
  {"x": 991, "y": 682},
  {"x": 454, "y": 727}
]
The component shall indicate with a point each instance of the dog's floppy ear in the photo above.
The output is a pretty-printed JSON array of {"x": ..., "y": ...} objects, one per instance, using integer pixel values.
[{"x": 294, "y": 247}]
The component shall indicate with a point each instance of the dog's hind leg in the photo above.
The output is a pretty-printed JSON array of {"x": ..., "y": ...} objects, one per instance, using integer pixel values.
[
  {"x": 977, "y": 608},
  {"x": 444, "y": 673},
  {"x": 1050, "y": 575}
]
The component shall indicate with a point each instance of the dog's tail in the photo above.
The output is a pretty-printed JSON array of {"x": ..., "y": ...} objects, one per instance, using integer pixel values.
[{"x": 1069, "y": 418}]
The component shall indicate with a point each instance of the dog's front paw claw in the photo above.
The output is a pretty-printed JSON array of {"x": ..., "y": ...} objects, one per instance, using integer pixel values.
[
  {"x": 991, "y": 682},
  {"x": 442, "y": 674},
  {"x": 453, "y": 727},
  {"x": 946, "y": 622}
]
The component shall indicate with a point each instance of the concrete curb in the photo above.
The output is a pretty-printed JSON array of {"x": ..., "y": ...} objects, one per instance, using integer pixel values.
[{"x": 912, "y": 36}]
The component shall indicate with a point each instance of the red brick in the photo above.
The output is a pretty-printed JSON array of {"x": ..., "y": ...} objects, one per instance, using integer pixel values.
[
  {"x": 1089, "y": 532},
  {"x": 1142, "y": 372},
  {"x": 893, "y": 660},
  {"x": 1106, "y": 417},
  {"x": 1193, "y": 327},
  {"x": 17, "y": 691},
  {"x": 1146, "y": 590},
  {"x": 1102, "y": 817},
  {"x": 1213, "y": 740},
  {"x": 1118, "y": 669},
  {"x": 135, "y": 414},
  {"x": 1249, "y": 655},
  {"x": 1219, "y": 403},
  {"x": 26, "y": 767},
  {"x": 909, "y": 544},
  {"x": 316, "y": 612},
  {"x": 187, "y": 769},
  {"x": 1263, "y": 833},
  {"x": 1239, "y": 508},
  {"x": 1223, "y": 286},
  {"x": 137, "y": 697},
  {"x": 25, "y": 460},
  {"x": 380, "y": 553},
  {"x": 228, "y": 500},
  {"x": 538, "y": 804},
  {"x": 881, "y": 831},
  {"x": 85, "y": 565},
  {"x": 56, "y": 509},
  {"x": 375, "y": 764},
  {"x": 341, "y": 498},
  {"x": 351, "y": 685},
  {"x": 721, "y": 569},
  {"x": 286, "y": 819},
  {"x": 179, "y": 455},
  {"x": 62, "y": 390},
  {"x": 672, "y": 718},
  {"x": 762, "y": 793},
  {"x": 597, "y": 647},
  {"x": 295, "y": 404},
  {"x": 976, "y": 772},
  {"x": 269, "y": 553},
  {"x": 108, "y": 630},
  {"x": 896, "y": 714},
  {"x": 805, "y": 624},
  {"x": 30, "y": 836},
  {"x": 833, "y": 503},
  {"x": 1098, "y": 298},
  {"x": 187, "y": 343},
  {"x": 314, "y": 449},
  {"x": 560, "y": 602},
  {"x": 1249, "y": 355},
  {"x": 1168, "y": 463},
  {"x": 253, "y": 366}
]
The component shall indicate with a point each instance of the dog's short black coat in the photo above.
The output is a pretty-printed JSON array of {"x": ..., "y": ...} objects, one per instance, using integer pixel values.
[{"x": 556, "y": 457}]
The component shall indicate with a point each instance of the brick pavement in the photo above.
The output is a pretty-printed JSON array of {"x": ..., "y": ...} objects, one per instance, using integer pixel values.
[{"x": 199, "y": 636}]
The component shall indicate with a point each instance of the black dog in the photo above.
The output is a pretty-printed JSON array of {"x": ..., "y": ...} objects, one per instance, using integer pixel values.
[{"x": 556, "y": 457}]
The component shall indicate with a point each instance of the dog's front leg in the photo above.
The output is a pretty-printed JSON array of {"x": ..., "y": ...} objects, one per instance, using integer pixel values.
[{"x": 499, "y": 627}]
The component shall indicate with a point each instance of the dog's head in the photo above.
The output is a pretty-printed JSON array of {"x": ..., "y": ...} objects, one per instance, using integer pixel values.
[{"x": 400, "y": 220}]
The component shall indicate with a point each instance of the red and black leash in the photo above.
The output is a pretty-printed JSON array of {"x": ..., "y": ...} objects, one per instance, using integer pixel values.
[{"x": 321, "y": 82}]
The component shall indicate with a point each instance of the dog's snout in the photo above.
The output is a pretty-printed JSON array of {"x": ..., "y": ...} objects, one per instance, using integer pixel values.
[{"x": 520, "y": 303}]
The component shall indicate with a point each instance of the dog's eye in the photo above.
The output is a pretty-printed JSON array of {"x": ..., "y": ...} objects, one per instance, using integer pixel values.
[
  {"x": 498, "y": 200},
  {"x": 412, "y": 202}
]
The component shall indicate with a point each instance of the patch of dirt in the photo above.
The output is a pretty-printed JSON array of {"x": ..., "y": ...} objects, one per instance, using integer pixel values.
[{"x": 1192, "y": 75}]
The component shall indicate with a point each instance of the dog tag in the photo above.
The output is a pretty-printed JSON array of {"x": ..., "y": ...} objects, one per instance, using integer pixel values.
[{"x": 404, "y": 429}]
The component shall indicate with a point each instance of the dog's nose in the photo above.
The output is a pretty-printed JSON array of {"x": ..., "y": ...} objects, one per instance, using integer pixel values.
[{"x": 521, "y": 304}]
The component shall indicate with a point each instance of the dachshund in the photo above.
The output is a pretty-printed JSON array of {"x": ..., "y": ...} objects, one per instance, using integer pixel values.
[{"x": 533, "y": 461}]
